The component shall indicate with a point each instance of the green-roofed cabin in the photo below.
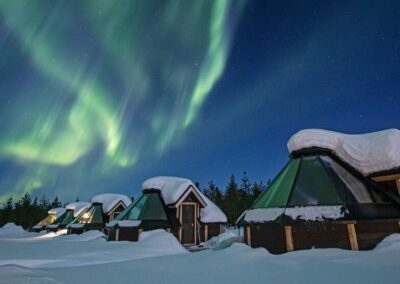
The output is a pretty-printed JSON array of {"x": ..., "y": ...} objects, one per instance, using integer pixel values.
[
  {"x": 53, "y": 216},
  {"x": 173, "y": 204},
  {"x": 319, "y": 201},
  {"x": 104, "y": 208},
  {"x": 147, "y": 213}
]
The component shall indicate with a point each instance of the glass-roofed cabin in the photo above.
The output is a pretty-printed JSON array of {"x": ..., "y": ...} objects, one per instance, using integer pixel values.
[
  {"x": 53, "y": 216},
  {"x": 173, "y": 204},
  {"x": 72, "y": 211},
  {"x": 104, "y": 208},
  {"x": 319, "y": 200}
]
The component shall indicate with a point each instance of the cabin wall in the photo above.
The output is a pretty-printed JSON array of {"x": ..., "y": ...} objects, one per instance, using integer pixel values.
[
  {"x": 369, "y": 234},
  {"x": 123, "y": 234},
  {"x": 355, "y": 235}
]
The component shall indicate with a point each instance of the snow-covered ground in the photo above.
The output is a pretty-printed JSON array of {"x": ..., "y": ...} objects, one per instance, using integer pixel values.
[{"x": 159, "y": 258}]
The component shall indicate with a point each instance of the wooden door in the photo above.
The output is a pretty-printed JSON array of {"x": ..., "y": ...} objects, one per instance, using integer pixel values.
[{"x": 188, "y": 223}]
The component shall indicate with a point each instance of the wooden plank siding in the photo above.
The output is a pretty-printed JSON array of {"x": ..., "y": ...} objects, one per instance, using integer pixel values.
[
  {"x": 320, "y": 235},
  {"x": 369, "y": 234}
]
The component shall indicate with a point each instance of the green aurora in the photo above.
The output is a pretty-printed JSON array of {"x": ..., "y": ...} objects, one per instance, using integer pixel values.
[{"x": 103, "y": 85}]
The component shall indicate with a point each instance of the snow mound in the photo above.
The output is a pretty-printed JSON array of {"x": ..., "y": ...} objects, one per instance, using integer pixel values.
[
  {"x": 77, "y": 207},
  {"x": 391, "y": 242},
  {"x": 223, "y": 241},
  {"x": 110, "y": 200},
  {"x": 57, "y": 211},
  {"x": 51, "y": 235},
  {"x": 84, "y": 237},
  {"x": 172, "y": 188},
  {"x": 11, "y": 229},
  {"x": 369, "y": 153},
  {"x": 161, "y": 240}
]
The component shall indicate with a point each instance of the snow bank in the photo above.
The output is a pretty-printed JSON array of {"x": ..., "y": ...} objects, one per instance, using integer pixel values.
[
  {"x": 391, "y": 242},
  {"x": 369, "y": 153},
  {"x": 51, "y": 235},
  {"x": 77, "y": 207},
  {"x": 57, "y": 211},
  {"x": 172, "y": 188},
  {"x": 84, "y": 237},
  {"x": 222, "y": 241},
  {"x": 308, "y": 213},
  {"x": 11, "y": 229},
  {"x": 110, "y": 200}
]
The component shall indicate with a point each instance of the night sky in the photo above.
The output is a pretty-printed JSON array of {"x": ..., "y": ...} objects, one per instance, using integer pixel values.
[{"x": 96, "y": 96}]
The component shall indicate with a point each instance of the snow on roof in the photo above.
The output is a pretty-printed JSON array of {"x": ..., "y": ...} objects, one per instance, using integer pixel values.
[
  {"x": 211, "y": 213},
  {"x": 77, "y": 207},
  {"x": 57, "y": 211},
  {"x": 172, "y": 188},
  {"x": 109, "y": 200},
  {"x": 124, "y": 223},
  {"x": 308, "y": 213},
  {"x": 369, "y": 153}
]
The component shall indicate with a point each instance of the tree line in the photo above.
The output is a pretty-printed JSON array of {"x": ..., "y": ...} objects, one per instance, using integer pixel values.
[
  {"x": 26, "y": 212},
  {"x": 233, "y": 200}
]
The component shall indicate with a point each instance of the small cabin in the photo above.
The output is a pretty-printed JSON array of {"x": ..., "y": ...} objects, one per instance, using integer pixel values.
[
  {"x": 53, "y": 215},
  {"x": 173, "y": 204},
  {"x": 324, "y": 197},
  {"x": 73, "y": 210},
  {"x": 103, "y": 209}
]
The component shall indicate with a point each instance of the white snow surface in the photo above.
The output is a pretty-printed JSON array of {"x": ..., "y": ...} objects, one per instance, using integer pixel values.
[
  {"x": 369, "y": 153},
  {"x": 57, "y": 211},
  {"x": 77, "y": 207},
  {"x": 158, "y": 258},
  {"x": 315, "y": 213},
  {"x": 109, "y": 200},
  {"x": 262, "y": 214},
  {"x": 172, "y": 188},
  {"x": 124, "y": 223},
  {"x": 308, "y": 213},
  {"x": 11, "y": 229}
]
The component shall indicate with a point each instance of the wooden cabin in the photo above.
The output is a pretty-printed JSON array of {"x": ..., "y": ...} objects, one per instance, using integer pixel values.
[
  {"x": 53, "y": 216},
  {"x": 173, "y": 204},
  {"x": 322, "y": 200},
  {"x": 103, "y": 209},
  {"x": 72, "y": 211}
]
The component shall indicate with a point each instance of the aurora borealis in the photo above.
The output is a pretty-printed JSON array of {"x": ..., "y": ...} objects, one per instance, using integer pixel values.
[
  {"x": 122, "y": 80},
  {"x": 98, "y": 95}
]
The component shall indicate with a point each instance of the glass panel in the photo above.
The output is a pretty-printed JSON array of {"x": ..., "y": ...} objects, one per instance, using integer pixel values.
[
  {"x": 46, "y": 221},
  {"x": 93, "y": 215},
  {"x": 349, "y": 187},
  {"x": 154, "y": 208},
  {"x": 278, "y": 192},
  {"x": 313, "y": 186},
  {"x": 134, "y": 213},
  {"x": 68, "y": 218}
]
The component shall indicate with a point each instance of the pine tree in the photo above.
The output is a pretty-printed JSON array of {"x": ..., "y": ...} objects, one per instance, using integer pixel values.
[
  {"x": 56, "y": 203},
  {"x": 230, "y": 204}
]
